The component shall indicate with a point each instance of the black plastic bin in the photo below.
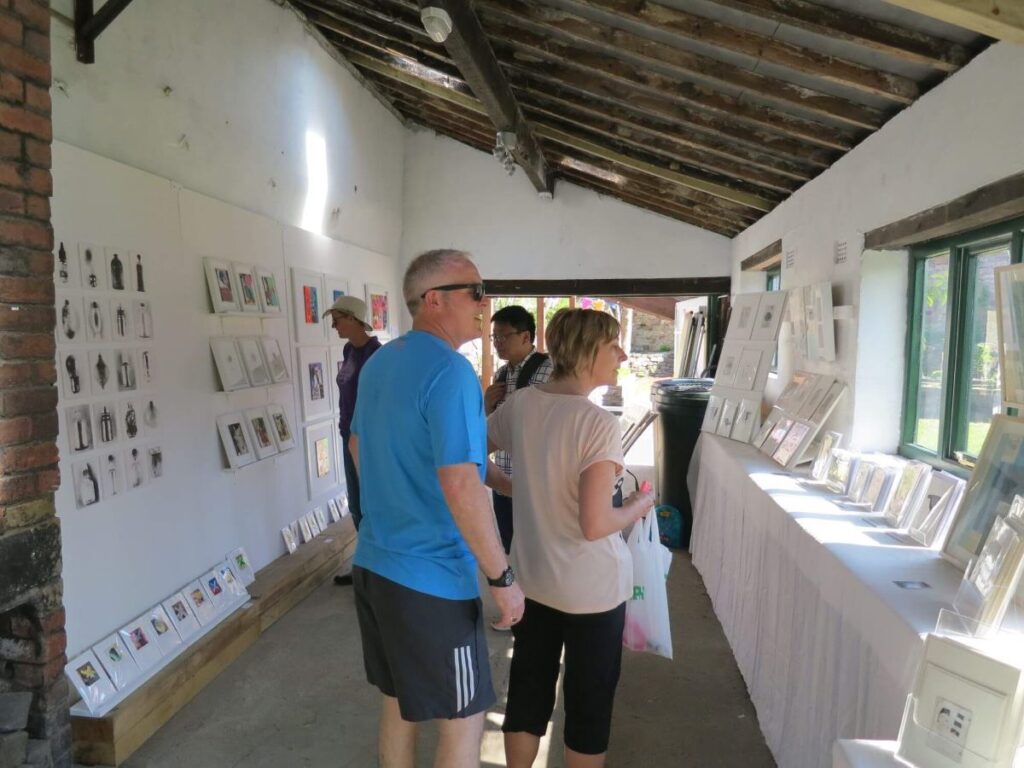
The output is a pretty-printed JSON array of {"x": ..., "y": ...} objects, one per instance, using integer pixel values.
[{"x": 680, "y": 405}]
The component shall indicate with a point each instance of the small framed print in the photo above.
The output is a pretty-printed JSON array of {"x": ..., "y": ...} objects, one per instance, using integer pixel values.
[
  {"x": 78, "y": 419},
  {"x": 201, "y": 605},
  {"x": 752, "y": 369},
  {"x": 134, "y": 468},
  {"x": 90, "y": 680},
  {"x": 321, "y": 517},
  {"x": 155, "y": 461},
  {"x": 74, "y": 374},
  {"x": 270, "y": 297},
  {"x": 111, "y": 474},
  {"x": 828, "y": 443},
  {"x": 137, "y": 264},
  {"x": 231, "y": 583},
  {"x": 290, "y": 543},
  {"x": 334, "y": 288},
  {"x": 215, "y": 590},
  {"x": 313, "y": 373},
  {"x": 713, "y": 413},
  {"x": 262, "y": 433},
  {"x": 129, "y": 419},
  {"x": 142, "y": 318},
  {"x": 766, "y": 428},
  {"x": 769, "y": 316},
  {"x": 97, "y": 319},
  {"x": 378, "y": 305},
  {"x": 181, "y": 613},
  {"x": 342, "y": 501},
  {"x": 141, "y": 641},
  {"x": 65, "y": 265},
  {"x": 741, "y": 319},
  {"x": 237, "y": 442},
  {"x": 125, "y": 370},
  {"x": 728, "y": 364},
  {"x": 70, "y": 322},
  {"x": 777, "y": 435},
  {"x": 307, "y": 300},
  {"x": 120, "y": 320},
  {"x": 306, "y": 529},
  {"x": 792, "y": 447},
  {"x": 320, "y": 469},
  {"x": 164, "y": 633},
  {"x": 150, "y": 413},
  {"x": 332, "y": 508},
  {"x": 115, "y": 658},
  {"x": 725, "y": 424},
  {"x": 92, "y": 267},
  {"x": 256, "y": 367},
  {"x": 248, "y": 292},
  {"x": 221, "y": 283},
  {"x": 119, "y": 274},
  {"x": 243, "y": 568},
  {"x": 281, "y": 426},
  {"x": 314, "y": 524},
  {"x": 101, "y": 372},
  {"x": 85, "y": 475},
  {"x": 147, "y": 368},
  {"x": 747, "y": 415},
  {"x": 228, "y": 360},
  {"x": 275, "y": 359}
]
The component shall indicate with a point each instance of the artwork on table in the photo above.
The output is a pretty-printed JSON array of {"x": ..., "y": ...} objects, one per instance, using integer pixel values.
[
  {"x": 742, "y": 316},
  {"x": 320, "y": 469},
  {"x": 70, "y": 325},
  {"x": 221, "y": 283},
  {"x": 378, "y": 306},
  {"x": 78, "y": 419},
  {"x": 725, "y": 423},
  {"x": 290, "y": 542},
  {"x": 232, "y": 584},
  {"x": 270, "y": 297},
  {"x": 248, "y": 291},
  {"x": 125, "y": 368},
  {"x": 262, "y": 433},
  {"x": 306, "y": 529},
  {"x": 777, "y": 435},
  {"x": 334, "y": 287},
  {"x": 880, "y": 486},
  {"x": 275, "y": 359},
  {"x": 237, "y": 442},
  {"x": 101, "y": 372},
  {"x": 243, "y": 568},
  {"x": 141, "y": 641},
  {"x": 769, "y": 316},
  {"x": 728, "y": 363},
  {"x": 281, "y": 425},
  {"x": 120, "y": 320},
  {"x": 795, "y": 391},
  {"x": 998, "y": 476},
  {"x": 747, "y": 415},
  {"x": 200, "y": 603},
  {"x": 313, "y": 372},
  {"x": 930, "y": 524},
  {"x": 163, "y": 631},
  {"x": 249, "y": 348},
  {"x": 752, "y": 369},
  {"x": 307, "y": 300},
  {"x": 908, "y": 494},
  {"x": 96, "y": 319},
  {"x": 1010, "y": 329},
  {"x": 215, "y": 590},
  {"x": 65, "y": 265},
  {"x": 129, "y": 419},
  {"x": 228, "y": 360},
  {"x": 766, "y": 429},
  {"x": 147, "y": 368},
  {"x": 858, "y": 486},
  {"x": 90, "y": 680},
  {"x": 184, "y": 618},
  {"x": 993, "y": 578},
  {"x": 134, "y": 468},
  {"x": 111, "y": 474},
  {"x": 838, "y": 475},
  {"x": 794, "y": 444},
  {"x": 92, "y": 266},
  {"x": 117, "y": 661},
  {"x": 142, "y": 318},
  {"x": 829, "y": 442},
  {"x": 816, "y": 390},
  {"x": 85, "y": 475},
  {"x": 713, "y": 413},
  {"x": 74, "y": 376}
]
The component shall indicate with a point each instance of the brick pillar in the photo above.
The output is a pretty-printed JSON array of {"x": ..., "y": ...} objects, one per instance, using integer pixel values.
[{"x": 30, "y": 585}]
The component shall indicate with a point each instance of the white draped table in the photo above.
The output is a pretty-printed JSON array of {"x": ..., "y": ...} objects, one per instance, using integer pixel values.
[{"x": 805, "y": 590}]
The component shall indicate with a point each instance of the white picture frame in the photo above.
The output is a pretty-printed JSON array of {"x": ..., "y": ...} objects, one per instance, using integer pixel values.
[
  {"x": 126, "y": 370},
  {"x": 97, "y": 318},
  {"x": 73, "y": 370},
  {"x": 134, "y": 468},
  {"x": 70, "y": 319},
  {"x": 336, "y": 356},
  {"x": 121, "y": 319},
  {"x": 119, "y": 272},
  {"x": 334, "y": 288},
  {"x": 200, "y": 603},
  {"x": 305, "y": 529},
  {"x": 92, "y": 264},
  {"x": 290, "y": 542},
  {"x": 130, "y": 424},
  {"x": 333, "y": 510},
  {"x": 256, "y": 368},
  {"x": 90, "y": 679},
  {"x": 236, "y": 439},
  {"x": 766, "y": 428},
  {"x": 791, "y": 450},
  {"x": 181, "y": 614},
  {"x": 379, "y": 310},
  {"x": 164, "y": 630},
  {"x": 248, "y": 290},
  {"x": 117, "y": 661},
  {"x": 742, "y": 316},
  {"x": 931, "y": 523},
  {"x": 262, "y": 432},
  {"x": 752, "y": 368},
  {"x": 748, "y": 415},
  {"x": 314, "y": 524},
  {"x": 725, "y": 423},
  {"x": 239, "y": 560},
  {"x": 101, "y": 372},
  {"x": 829, "y": 442},
  {"x": 142, "y": 645},
  {"x": 229, "y": 579},
  {"x": 284, "y": 434},
  {"x": 321, "y": 472},
  {"x": 223, "y": 288},
  {"x": 713, "y": 413},
  {"x": 215, "y": 589},
  {"x": 269, "y": 291},
  {"x": 769, "y": 316},
  {"x": 908, "y": 494},
  {"x": 79, "y": 424},
  {"x": 312, "y": 373},
  {"x": 308, "y": 306},
  {"x": 112, "y": 477},
  {"x": 277, "y": 363},
  {"x": 728, "y": 364},
  {"x": 147, "y": 368},
  {"x": 818, "y": 313},
  {"x": 142, "y": 319},
  {"x": 228, "y": 362},
  {"x": 321, "y": 517}
]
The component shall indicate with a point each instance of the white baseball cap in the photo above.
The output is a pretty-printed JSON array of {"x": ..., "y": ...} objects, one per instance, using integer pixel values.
[{"x": 350, "y": 305}]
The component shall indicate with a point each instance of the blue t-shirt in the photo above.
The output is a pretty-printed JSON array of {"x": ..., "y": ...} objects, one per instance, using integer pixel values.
[{"x": 419, "y": 408}]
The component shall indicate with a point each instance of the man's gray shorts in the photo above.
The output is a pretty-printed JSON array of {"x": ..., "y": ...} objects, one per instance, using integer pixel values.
[{"x": 428, "y": 652}]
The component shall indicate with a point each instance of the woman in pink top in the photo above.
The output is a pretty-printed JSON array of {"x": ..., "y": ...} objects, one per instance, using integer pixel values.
[{"x": 570, "y": 557}]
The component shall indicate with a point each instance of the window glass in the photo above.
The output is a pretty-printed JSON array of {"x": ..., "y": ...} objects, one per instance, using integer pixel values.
[{"x": 931, "y": 326}]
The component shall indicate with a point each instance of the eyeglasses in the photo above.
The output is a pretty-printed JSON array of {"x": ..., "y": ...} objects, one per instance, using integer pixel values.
[
  {"x": 497, "y": 338},
  {"x": 478, "y": 289}
]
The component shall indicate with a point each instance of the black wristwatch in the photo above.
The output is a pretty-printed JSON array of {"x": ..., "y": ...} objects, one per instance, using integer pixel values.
[{"x": 507, "y": 578}]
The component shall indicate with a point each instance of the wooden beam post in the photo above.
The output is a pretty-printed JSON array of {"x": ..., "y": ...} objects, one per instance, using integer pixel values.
[
  {"x": 1002, "y": 19},
  {"x": 540, "y": 324},
  {"x": 486, "y": 359}
]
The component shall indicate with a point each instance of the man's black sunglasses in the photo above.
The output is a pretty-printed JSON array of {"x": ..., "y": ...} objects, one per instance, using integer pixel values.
[{"x": 479, "y": 291}]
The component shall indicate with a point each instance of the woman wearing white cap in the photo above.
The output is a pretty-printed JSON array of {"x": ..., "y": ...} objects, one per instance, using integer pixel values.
[{"x": 348, "y": 318}]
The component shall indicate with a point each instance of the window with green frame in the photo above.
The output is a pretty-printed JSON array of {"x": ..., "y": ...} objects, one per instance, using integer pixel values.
[
  {"x": 952, "y": 387},
  {"x": 773, "y": 282}
]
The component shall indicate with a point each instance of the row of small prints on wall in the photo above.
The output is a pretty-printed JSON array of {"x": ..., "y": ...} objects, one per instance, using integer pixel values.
[
  {"x": 255, "y": 434},
  {"x": 314, "y": 293},
  {"x": 314, "y": 522},
  {"x": 104, "y": 371},
  {"x": 97, "y": 319},
  {"x": 98, "y": 268},
  {"x": 103, "y": 476},
  {"x": 118, "y": 664},
  {"x": 105, "y": 423},
  {"x": 238, "y": 287},
  {"x": 248, "y": 361}
]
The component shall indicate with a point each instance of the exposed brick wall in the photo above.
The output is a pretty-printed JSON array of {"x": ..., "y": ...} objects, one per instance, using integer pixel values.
[{"x": 32, "y": 640}]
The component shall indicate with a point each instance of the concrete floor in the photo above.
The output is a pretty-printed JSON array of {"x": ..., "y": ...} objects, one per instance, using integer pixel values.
[{"x": 298, "y": 697}]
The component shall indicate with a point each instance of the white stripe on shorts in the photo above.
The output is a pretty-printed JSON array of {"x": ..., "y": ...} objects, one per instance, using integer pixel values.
[
  {"x": 458, "y": 680},
  {"x": 465, "y": 680}
]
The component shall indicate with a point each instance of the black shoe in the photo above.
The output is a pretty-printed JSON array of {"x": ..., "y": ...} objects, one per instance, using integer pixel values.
[{"x": 343, "y": 579}]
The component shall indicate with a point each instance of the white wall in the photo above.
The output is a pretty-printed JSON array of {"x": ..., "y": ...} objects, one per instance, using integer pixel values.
[{"x": 963, "y": 134}]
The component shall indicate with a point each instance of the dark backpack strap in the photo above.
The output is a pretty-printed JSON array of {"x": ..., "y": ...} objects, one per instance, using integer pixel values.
[{"x": 536, "y": 360}]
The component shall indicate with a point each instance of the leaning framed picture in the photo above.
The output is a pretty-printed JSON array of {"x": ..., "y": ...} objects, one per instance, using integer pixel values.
[
  {"x": 378, "y": 305},
  {"x": 221, "y": 284},
  {"x": 236, "y": 439},
  {"x": 248, "y": 292},
  {"x": 262, "y": 433},
  {"x": 182, "y": 615},
  {"x": 312, "y": 374},
  {"x": 308, "y": 305},
  {"x": 275, "y": 359},
  {"x": 1010, "y": 327},
  {"x": 998, "y": 476},
  {"x": 90, "y": 680},
  {"x": 113, "y": 655},
  {"x": 270, "y": 297},
  {"x": 321, "y": 472},
  {"x": 742, "y": 315},
  {"x": 769, "y": 316},
  {"x": 281, "y": 424},
  {"x": 256, "y": 367},
  {"x": 230, "y": 368}
]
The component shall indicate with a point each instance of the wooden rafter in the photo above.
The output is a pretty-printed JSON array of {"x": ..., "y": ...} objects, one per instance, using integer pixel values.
[{"x": 1001, "y": 19}]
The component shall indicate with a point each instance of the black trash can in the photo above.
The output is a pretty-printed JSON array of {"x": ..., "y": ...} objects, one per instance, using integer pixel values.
[{"x": 680, "y": 405}]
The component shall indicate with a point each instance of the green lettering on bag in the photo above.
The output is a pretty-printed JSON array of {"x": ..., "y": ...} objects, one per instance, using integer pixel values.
[{"x": 638, "y": 592}]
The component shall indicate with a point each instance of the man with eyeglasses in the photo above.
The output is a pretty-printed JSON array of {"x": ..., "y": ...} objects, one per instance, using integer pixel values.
[
  {"x": 513, "y": 331},
  {"x": 419, "y": 440}
]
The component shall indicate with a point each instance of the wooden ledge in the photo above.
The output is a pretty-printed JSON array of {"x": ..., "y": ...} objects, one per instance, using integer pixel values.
[{"x": 283, "y": 584}]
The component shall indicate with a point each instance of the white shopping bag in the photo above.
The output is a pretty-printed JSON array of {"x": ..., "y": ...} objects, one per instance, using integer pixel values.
[{"x": 647, "y": 625}]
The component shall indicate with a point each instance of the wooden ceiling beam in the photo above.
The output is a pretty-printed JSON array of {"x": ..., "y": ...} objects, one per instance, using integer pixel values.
[
  {"x": 650, "y": 286},
  {"x": 901, "y": 90},
  {"x": 468, "y": 46},
  {"x": 616, "y": 42},
  {"x": 907, "y": 45},
  {"x": 1001, "y": 19},
  {"x": 606, "y": 66}
]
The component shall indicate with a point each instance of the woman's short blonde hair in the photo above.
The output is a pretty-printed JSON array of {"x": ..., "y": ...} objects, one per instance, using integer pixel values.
[{"x": 574, "y": 337}]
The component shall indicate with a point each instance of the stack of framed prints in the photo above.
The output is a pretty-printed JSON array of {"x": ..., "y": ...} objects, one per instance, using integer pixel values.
[
  {"x": 819, "y": 325},
  {"x": 314, "y": 522},
  {"x": 242, "y": 288},
  {"x": 255, "y": 434},
  {"x": 248, "y": 361},
  {"x": 107, "y": 370},
  {"x": 111, "y": 669}
]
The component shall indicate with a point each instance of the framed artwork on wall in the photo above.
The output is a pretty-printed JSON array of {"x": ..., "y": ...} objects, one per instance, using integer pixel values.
[
  {"x": 378, "y": 305},
  {"x": 337, "y": 357},
  {"x": 74, "y": 375},
  {"x": 334, "y": 287},
  {"x": 96, "y": 319},
  {"x": 312, "y": 374},
  {"x": 281, "y": 426},
  {"x": 237, "y": 442},
  {"x": 248, "y": 291},
  {"x": 270, "y": 296},
  {"x": 321, "y": 472},
  {"x": 250, "y": 348},
  {"x": 262, "y": 433},
  {"x": 70, "y": 324},
  {"x": 275, "y": 359},
  {"x": 308, "y": 304},
  {"x": 228, "y": 360},
  {"x": 119, "y": 274},
  {"x": 92, "y": 267},
  {"x": 222, "y": 286}
]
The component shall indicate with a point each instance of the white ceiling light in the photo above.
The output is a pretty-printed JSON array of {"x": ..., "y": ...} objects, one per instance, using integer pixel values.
[{"x": 437, "y": 22}]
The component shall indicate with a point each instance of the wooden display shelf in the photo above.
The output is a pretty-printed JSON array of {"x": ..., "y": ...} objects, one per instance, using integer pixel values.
[{"x": 283, "y": 584}]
